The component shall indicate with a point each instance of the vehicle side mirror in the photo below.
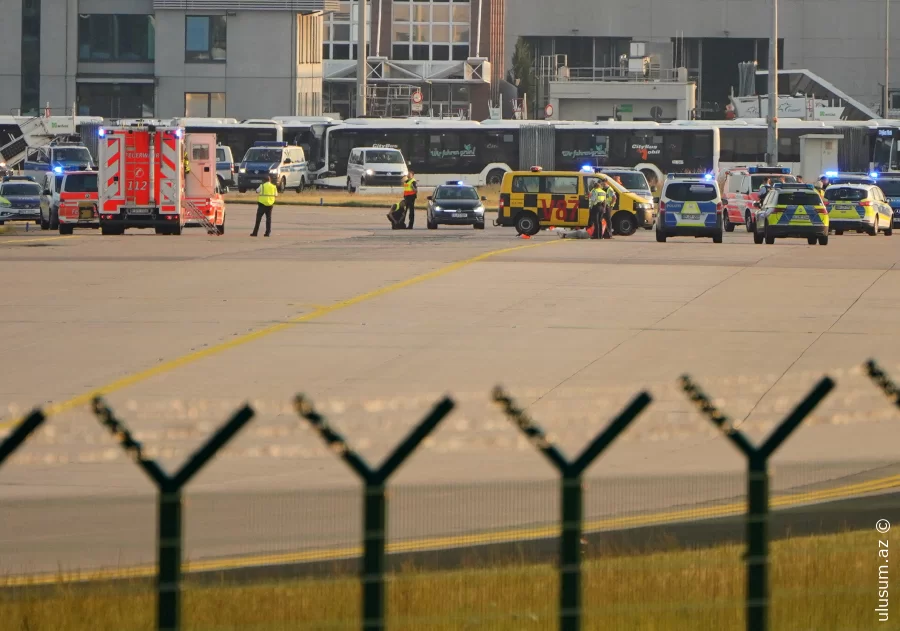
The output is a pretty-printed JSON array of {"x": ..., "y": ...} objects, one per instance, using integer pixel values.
[
  {"x": 483, "y": 198},
  {"x": 430, "y": 197},
  {"x": 656, "y": 200},
  {"x": 46, "y": 191},
  {"x": 757, "y": 205},
  {"x": 287, "y": 161}
]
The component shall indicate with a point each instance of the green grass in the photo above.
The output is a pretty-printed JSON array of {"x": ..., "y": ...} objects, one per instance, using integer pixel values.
[{"x": 818, "y": 584}]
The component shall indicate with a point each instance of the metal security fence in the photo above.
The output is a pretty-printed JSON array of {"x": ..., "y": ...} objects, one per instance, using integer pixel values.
[{"x": 570, "y": 535}]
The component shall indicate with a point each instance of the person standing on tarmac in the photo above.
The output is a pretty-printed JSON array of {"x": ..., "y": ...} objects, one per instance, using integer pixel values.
[
  {"x": 266, "y": 200},
  {"x": 410, "y": 190},
  {"x": 608, "y": 204},
  {"x": 595, "y": 202}
]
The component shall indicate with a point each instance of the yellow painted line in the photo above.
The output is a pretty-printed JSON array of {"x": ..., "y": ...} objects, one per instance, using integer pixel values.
[
  {"x": 19, "y": 241},
  {"x": 460, "y": 541},
  {"x": 134, "y": 378}
]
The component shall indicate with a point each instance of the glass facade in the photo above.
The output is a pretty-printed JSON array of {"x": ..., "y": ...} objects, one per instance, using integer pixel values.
[
  {"x": 31, "y": 56},
  {"x": 115, "y": 100},
  {"x": 430, "y": 30},
  {"x": 121, "y": 38},
  {"x": 340, "y": 31},
  {"x": 204, "y": 104},
  {"x": 205, "y": 38}
]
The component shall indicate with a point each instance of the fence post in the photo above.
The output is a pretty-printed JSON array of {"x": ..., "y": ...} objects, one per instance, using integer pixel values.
[
  {"x": 374, "y": 500},
  {"x": 22, "y": 431},
  {"x": 571, "y": 494},
  {"x": 169, "y": 507},
  {"x": 757, "y": 526}
]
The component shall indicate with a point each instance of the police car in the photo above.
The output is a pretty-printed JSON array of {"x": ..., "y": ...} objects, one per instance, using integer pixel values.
[
  {"x": 791, "y": 211},
  {"x": 848, "y": 177},
  {"x": 860, "y": 207},
  {"x": 889, "y": 183},
  {"x": 689, "y": 206},
  {"x": 455, "y": 204}
]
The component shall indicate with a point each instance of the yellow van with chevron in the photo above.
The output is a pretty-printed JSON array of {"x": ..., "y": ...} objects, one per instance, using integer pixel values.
[
  {"x": 535, "y": 199},
  {"x": 793, "y": 211}
]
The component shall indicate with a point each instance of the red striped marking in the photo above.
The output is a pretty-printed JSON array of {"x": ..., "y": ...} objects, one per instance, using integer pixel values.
[{"x": 114, "y": 159}]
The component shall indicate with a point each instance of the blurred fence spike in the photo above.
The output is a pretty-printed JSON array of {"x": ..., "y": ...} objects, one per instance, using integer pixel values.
[
  {"x": 374, "y": 497},
  {"x": 21, "y": 433},
  {"x": 883, "y": 381},
  {"x": 571, "y": 492},
  {"x": 170, "y": 530},
  {"x": 756, "y": 557}
]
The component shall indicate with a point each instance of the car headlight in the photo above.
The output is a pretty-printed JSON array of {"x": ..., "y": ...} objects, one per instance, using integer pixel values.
[
  {"x": 437, "y": 208},
  {"x": 370, "y": 172},
  {"x": 242, "y": 170},
  {"x": 479, "y": 209},
  {"x": 273, "y": 171}
]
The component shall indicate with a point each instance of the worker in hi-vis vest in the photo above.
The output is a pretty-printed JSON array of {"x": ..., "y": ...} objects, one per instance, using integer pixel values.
[
  {"x": 264, "y": 203},
  {"x": 410, "y": 190}
]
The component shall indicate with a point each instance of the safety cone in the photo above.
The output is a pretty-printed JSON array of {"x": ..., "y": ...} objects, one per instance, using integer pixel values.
[{"x": 524, "y": 236}]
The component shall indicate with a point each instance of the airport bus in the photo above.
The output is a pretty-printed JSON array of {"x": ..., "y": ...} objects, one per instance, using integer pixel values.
[
  {"x": 437, "y": 150},
  {"x": 239, "y": 135},
  {"x": 307, "y": 132}
]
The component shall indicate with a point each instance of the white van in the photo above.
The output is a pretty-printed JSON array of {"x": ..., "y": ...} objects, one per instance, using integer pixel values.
[{"x": 375, "y": 166}]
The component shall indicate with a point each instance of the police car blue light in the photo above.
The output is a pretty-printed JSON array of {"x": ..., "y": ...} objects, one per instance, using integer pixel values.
[
  {"x": 873, "y": 174},
  {"x": 831, "y": 173},
  {"x": 57, "y": 169},
  {"x": 101, "y": 132},
  {"x": 587, "y": 169},
  {"x": 179, "y": 133},
  {"x": 708, "y": 176},
  {"x": 455, "y": 183}
]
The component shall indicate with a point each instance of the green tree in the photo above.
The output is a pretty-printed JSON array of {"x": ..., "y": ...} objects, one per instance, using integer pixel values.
[{"x": 522, "y": 74}]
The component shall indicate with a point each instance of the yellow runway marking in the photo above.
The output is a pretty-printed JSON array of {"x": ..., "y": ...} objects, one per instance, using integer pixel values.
[
  {"x": 16, "y": 241},
  {"x": 130, "y": 380},
  {"x": 442, "y": 543}
]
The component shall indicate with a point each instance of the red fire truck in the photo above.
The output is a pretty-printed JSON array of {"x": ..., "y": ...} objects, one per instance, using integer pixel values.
[{"x": 158, "y": 177}]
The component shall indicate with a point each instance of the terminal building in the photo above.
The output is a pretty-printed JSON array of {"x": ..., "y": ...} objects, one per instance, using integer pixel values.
[
  {"x": 833, "y": 51},
  {"x": 162, "y": 58},
  {"x": 248, "y": 58}
]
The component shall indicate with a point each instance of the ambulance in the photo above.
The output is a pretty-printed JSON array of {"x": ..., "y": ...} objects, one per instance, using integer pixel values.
[{"x": 158, "y": 177}]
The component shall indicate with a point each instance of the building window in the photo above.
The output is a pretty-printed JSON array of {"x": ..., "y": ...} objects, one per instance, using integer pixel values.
[
  {"x": 340, "y": 30},
  {"x": 431, "y": 30},
  {"x": 204, "y": 104},
  {"x": 204, "y": 38},
  {"x": 115, "y": 100},
  {"x": 116, "y": 37},
  {"x": 31, "y": 56}
]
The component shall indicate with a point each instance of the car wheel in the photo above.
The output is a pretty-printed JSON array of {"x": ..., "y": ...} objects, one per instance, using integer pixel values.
[
  {"x": 301, "y": 185},
  {"x": 494, "y": 177},
  {"x": 431, "y": 225},
  {"x": 479, "y": 226},
  {"x": 176, "y": 229},
  {"x": 281, "y": 185},
  {"x": 769, "y": 238},
  {"x": 726, "y": 223},
  {"x": 45, "y": 225},
  {"x": 757, "y": 238},
  {"x": 527, "y": 223},
  {"x": 717, "y": 238},
  {"x": 889, "y": 230},
  {"x": 220, "y": 230},
  {"x": 811, "y": 240},
  {"x": 873, "y": 231},
  {"x": 241, "y": 190},
  {"x": 54, "y": 219},
  {"x": 66, "y": 229},
  {"x": 660, "y": 235},
  {"x": 624, "y": 223},
  {"x": 823, "y": 240},
  {"x": 222, "y": 188},
  {"x": 748, "y": 222},
  {"x": 838, "y": 232},
  {"x": 156, "y": 229}
]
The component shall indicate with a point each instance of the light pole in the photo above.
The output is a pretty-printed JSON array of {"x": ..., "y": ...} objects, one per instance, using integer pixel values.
[
  {"x": 887, "y": 57},
  {"x": 361, "y": 65},
  {"x": 772, "y": 110}
]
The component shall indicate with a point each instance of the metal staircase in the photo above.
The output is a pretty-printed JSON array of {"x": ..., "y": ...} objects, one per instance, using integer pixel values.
[
  {"x": 195, "y": 214},
  {"x": 36, "y": 132}
]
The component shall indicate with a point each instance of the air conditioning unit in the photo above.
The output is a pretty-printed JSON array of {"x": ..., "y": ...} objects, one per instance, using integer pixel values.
[{"x": 637, "y": 49}]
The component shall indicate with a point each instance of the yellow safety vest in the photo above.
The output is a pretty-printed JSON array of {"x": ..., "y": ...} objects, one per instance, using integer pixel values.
[
  {"x": 409, "y": 188},
  {"x": 267, "y": 194}
]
